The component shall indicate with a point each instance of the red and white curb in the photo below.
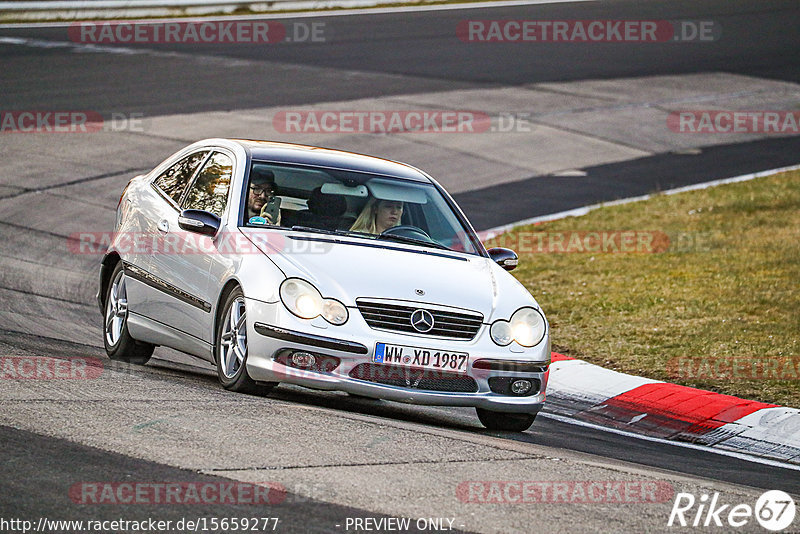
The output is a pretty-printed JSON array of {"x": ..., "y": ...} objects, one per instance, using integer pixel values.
[{"x": 589, "y": 393}]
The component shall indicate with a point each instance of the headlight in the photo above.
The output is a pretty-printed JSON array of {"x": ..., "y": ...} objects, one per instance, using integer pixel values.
[
  {"x": 334, "y": 311},
  {"x": 526, "y": 327},
  {"x": 305, "y": 301},
  {"x": 501, "y": 333},
  {"x": 301, "y": 298}
]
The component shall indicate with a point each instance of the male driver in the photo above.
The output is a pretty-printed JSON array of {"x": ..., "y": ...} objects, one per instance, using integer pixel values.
[{"x": 259, "y": 193}]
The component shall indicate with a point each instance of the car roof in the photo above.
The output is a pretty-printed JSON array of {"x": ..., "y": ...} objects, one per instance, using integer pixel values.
[{"x": 327, "y": 157}]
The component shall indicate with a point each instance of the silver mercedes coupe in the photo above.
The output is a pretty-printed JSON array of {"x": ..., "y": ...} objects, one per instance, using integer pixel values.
[{"x": 324, "y": 269}]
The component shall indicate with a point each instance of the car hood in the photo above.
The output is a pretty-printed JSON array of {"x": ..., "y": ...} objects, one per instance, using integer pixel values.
[{"x": 351, "y": 268}]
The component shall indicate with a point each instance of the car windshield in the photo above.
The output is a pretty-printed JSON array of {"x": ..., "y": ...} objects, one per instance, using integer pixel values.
[{"x": 357, "y": 204}]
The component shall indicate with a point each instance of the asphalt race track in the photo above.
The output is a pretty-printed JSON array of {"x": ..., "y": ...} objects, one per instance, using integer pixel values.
[{"x": 595, "y": 131}]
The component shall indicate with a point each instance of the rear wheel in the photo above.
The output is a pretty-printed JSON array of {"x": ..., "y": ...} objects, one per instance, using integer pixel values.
[
  {"x": 513, "y": 422},
  {"x": 231, "y": 347},
  {"x": 118, "y": 342}
]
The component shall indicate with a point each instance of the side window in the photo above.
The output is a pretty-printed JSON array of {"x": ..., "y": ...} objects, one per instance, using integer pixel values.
[
  {"x": 209, "y": 191},
  {"x": 175, "y": 179}
]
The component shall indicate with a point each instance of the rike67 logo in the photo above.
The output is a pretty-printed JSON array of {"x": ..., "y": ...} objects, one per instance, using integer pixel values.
[{"x": 774, "y": 510}]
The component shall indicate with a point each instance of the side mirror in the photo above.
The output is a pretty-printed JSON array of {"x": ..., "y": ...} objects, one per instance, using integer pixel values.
[
  {"x": 504, "y": 257},
  {"x": 199, "y": 221}
]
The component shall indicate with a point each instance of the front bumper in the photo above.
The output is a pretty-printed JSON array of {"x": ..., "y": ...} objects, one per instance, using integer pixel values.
[{"x": 272, "y": 330}]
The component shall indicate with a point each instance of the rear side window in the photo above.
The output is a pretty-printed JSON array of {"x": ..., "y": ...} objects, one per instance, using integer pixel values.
[
  {"x": 174, "y": 180},
  {"x": 209, "y": 191}
]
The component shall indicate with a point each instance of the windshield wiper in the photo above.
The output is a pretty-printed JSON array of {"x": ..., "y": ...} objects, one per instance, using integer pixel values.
[
  {"x": 335, "y": 232},
  {"x": 412, "y": 241},
  {"x": 315, "y": 230},
  {"x": 399, "y": 238}
]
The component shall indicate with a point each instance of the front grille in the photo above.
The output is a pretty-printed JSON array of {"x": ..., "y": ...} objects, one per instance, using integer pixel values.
[
  {"x": 425, "y": 379},
  {"x": 395, "y": 317}
]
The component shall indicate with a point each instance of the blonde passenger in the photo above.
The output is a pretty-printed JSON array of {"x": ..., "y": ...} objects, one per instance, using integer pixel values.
[{"x": 378, "y": 216}]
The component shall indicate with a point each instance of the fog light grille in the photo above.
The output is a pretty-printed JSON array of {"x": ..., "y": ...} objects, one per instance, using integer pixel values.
[
  {"x": 317, "y": 363},
  {"x": 504, "y": 385}
]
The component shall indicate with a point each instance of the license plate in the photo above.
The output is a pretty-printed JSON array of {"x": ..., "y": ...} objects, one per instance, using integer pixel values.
[{"x": 420, "y": 358}]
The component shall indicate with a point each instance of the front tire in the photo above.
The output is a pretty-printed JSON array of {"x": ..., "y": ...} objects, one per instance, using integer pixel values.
[
  {"x": 231, "y": 347},
  {"x": 512, "y": 422},
  {"x": 117, "y": 340}
]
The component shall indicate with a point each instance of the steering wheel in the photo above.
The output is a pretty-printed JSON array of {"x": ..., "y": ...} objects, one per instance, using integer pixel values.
[{"x": 406, "y": 230}]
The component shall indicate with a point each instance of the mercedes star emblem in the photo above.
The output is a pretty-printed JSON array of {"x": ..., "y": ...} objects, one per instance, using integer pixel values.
[{"x": 422, "y": 321}]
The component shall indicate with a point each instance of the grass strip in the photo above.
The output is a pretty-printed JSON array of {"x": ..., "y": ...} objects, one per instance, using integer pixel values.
[{"x": 699, "y": 288}]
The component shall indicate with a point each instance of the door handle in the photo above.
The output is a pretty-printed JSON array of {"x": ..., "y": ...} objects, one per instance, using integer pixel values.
[{"x": 163, "y": 226}]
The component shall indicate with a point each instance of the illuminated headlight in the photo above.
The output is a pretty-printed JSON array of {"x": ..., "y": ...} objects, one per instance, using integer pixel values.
[
  {"x": 305, "y": 301},
  {"x": 301, "y": 298},
  {"x": 526, "y": 327}
]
